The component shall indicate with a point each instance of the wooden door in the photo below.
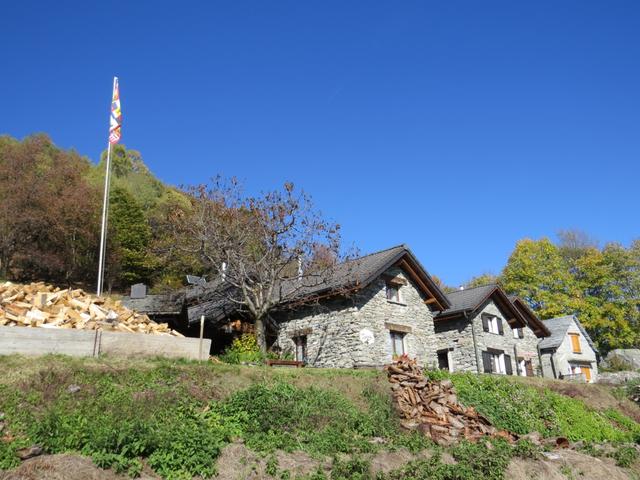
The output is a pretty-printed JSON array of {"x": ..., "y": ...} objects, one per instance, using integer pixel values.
[{"x": 587, "y": 373}]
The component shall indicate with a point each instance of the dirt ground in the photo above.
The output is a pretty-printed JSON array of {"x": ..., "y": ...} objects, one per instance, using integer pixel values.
[
  {"x": 568, "y": 466},
  {"x": 239, "y": 463},
  {"x": 64, "y": 467}
]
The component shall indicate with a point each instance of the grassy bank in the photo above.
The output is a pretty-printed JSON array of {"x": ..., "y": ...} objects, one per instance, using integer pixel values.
[{"x": 178, "y": 416}]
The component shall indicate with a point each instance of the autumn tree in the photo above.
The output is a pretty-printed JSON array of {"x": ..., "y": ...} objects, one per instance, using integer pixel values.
[
  {"x": 537, "y": 273},
  {"x": 480, "y": 280},
  {"x": 599, "y": 285},
  {"x": 266, "y": 249},
  {"x": 48, "y": 213}
]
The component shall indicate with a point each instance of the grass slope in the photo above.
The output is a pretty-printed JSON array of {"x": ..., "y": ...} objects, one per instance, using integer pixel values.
[{"x": 178, "y": 416}]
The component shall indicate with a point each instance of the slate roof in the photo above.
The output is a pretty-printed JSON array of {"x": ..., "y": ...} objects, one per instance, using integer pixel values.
[
  {"x": 537, "y": 325},
  {"x": 352, "y": 274},
  {"x": 558, "y": 327},
  {"x": 162, "y": 304},
  {"x": 471, "y": 299},
  {"x": 468, "y": 299}
]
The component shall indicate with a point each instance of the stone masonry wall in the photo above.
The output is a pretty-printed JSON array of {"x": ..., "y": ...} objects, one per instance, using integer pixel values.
[
  {"x": 355, "y": 332},
  {"x": 564, "y": 354},
  {"x": 526, "y": 347},
  {"x": 455, "y": 335},
  {"x": 458, "y": 334}
]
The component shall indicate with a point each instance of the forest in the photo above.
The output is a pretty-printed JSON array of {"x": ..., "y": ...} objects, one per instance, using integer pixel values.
[{"x": 50, "y": 210}]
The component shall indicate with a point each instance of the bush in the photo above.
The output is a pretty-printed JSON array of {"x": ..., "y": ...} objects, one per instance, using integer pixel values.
[
  {"x": 285, "y": 417},
  {"x": 486, "y": 460},
  {"x": 523, "y": 409},
  {"x": 243, "y": 349},
  {"x": 625, "y": 456}
]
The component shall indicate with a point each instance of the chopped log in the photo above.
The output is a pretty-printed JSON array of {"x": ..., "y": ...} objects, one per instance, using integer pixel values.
[{"x": 433, "y": 408}]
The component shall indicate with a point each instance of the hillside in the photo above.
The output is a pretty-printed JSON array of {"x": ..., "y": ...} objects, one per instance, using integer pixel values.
[{"x": 164, "y": 419}]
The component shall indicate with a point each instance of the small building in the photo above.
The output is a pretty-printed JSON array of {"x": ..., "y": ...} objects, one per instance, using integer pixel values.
[
  {"x": 485, "y": 331},
  {"x": 568, "y": 353}
]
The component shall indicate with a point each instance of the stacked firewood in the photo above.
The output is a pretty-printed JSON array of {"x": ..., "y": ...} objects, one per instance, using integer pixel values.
[
  {"x": 44, "y": 306},
  {"x": 432, "y": 407}
]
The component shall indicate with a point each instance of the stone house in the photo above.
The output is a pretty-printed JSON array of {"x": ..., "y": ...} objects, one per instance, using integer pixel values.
[
  {"x": 568, "y": 353},
  {"x": 390, "y": 312},
  {"x": 371, "y": 309},
  {"x": 486, "y": 331}
]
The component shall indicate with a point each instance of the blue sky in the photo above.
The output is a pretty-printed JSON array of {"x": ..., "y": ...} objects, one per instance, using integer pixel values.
[{"x": 456, "y": 127}]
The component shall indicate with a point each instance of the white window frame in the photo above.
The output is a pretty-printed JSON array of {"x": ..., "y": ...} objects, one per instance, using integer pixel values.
[
  {"x": 493, "y": 325},
  {"x": 497, "y": 363},
  {"x": 301, "y": 348},
  {"x": 393, "y": 334},
  {"x": 522, "y": 367}
]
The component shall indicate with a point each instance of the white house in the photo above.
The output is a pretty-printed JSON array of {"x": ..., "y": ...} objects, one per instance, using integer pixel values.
[{"x": 569, "y": 352}]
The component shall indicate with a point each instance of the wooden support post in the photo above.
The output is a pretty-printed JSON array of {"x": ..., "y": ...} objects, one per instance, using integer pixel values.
[{"x": 201, "y": 337}]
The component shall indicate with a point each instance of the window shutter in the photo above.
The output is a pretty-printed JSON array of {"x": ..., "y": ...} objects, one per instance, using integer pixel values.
[
  {"x": 485, "y": 323},
  {"x": 521, "y": 333},
  {"x": 500, "y": 330},
  {"x": 486, "y": 362},
  {"x": 507, "y": 364}
]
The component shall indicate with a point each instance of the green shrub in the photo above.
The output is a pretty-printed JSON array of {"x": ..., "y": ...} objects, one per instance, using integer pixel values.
[
  {"x": 523, "y": 409},
  {"x": 625, "y": 456},
  {"x": 282, "y": 416},
  {"x": 577, "y": 422},
  {"x": 509, "y": 405},
  {"x": 243, "y": 349},
  {"x": 8, "y": 457},
  {"x": 351, "y": 469}
]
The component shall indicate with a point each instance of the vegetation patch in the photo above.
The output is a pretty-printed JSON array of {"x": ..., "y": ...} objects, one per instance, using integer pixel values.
[
  {"x": 172, "y": 416},
  {"x": 522, "y": 409}
]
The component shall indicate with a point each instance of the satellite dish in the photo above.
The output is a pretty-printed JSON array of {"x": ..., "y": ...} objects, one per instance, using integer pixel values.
[{"x": 366, "y": 336}]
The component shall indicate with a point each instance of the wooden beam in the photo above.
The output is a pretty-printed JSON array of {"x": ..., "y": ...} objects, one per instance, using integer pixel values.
[
  {"x": 430, "y": 301},
  {"x": 403, "y": 263}
]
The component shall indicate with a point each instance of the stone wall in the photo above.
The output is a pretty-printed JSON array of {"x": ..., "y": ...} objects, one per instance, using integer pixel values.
[
  {"x": 458, "y": 335},
  {"x": 545, "y": 362},
  {"x": 564, "y": 354},
  {"x": 355, "y": 331},
  {"x": 526, "y": 347}
]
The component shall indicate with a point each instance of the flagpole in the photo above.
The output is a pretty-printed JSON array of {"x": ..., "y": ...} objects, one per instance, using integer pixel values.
[
  {"x": 105, "y": 212},
  {"x": 103, "y": 231}
]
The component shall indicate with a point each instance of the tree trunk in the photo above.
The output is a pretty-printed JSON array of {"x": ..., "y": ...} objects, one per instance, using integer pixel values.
[{"x": 261, "y": 338}]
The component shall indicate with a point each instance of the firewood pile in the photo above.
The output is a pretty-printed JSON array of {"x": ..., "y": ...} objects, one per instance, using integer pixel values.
[
  {"x": 432, "y": 407},
  {"x": 45, "y": 306}
]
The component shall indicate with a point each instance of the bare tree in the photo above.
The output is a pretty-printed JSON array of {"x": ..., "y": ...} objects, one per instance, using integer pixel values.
[{"x": 265, "y": 250}]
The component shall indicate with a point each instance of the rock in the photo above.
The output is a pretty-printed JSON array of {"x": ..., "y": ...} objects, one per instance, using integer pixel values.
[
  {"x": 26, "y": 453},
  {"x": 533, "y": 437},
  {"x": 378, "y": 441},
  {"x": 551, "y": 456},
  {"x": 617, "y": 378},
  {"x": 623, "y": 359},
  {"x": 73, "y": 388},
  {"x": 562, "y": 442}
]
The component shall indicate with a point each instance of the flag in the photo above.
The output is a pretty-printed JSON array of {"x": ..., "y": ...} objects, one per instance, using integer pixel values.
[{"x": 115, "y": 121}]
